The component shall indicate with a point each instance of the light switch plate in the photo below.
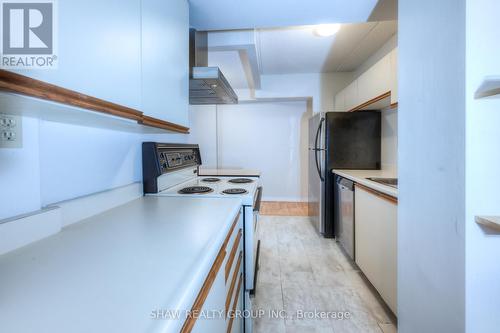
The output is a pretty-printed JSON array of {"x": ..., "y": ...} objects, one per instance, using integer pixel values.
[{"x": 11, "y": 131}]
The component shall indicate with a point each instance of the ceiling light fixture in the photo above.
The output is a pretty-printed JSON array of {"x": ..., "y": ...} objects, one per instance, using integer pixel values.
[{"x": 326, "y": 30}]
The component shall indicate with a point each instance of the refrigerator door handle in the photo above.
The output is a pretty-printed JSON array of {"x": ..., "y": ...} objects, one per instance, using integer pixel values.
[
  {"x": 318, "y": 131},
  {"x": 316, "y": 149}
]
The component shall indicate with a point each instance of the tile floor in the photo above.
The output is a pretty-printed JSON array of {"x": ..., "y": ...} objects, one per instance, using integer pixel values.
[{"x": 300, "y": 271}]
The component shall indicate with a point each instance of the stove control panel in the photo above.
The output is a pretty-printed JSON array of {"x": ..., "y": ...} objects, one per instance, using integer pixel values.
[
  {"x": 161, "y": 158},
  {"x": 176, "y": 159}
]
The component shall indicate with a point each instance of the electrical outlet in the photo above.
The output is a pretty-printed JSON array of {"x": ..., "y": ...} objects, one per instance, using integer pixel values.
[{"x": 10, "y": 131}]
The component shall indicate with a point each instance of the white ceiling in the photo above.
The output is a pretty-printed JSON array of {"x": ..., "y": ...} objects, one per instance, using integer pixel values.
[
  {"x": 298, "y": 50},
  {"x": 249, "y": 14},
  {"x": 231, "y": 66}
]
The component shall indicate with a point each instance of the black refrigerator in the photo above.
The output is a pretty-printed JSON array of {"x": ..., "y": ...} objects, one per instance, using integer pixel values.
[{"x": 338, "y": 140}]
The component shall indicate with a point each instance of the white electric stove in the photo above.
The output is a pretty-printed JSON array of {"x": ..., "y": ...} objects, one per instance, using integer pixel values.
[
  {"x": 220, "y": 187},
  {"x": 172, "y": 170}
]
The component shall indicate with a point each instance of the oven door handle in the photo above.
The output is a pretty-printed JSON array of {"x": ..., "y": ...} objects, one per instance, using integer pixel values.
[{"x": 258, "y": 199}]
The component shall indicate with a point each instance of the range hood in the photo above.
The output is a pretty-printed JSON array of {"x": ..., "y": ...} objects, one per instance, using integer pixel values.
[{"x": 207, "y": 85}]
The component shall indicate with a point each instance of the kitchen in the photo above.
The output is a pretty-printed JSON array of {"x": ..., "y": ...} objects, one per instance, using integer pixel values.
[{"x": 220, "y": 167}]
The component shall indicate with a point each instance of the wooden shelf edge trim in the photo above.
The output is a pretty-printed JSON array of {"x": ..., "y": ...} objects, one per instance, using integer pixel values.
[
  {"x": 492, "y": 222},
  {"x": 232, "y": 255},
  {"x": 235, "y": 303},
  {"x": 23, "y": 85},
  {"x": 378, "y": 194},
  {"x": 371, "y": 101},
  {"x": 154, "y": 122},
  {"x": 233, "y": 281},
  {"x": 20, "y": 84}
]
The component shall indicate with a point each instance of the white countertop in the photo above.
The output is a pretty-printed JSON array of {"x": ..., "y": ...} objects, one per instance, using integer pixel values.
[
  {"x": 359, "y": 176},
  {"x": 229, "y": 172},
  {"x": 109, "y": 272}
]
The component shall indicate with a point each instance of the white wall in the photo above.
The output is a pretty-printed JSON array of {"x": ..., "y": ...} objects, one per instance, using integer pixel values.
[
  {"x": 431, "y": 239},
  {"x": 60, "y": 162},
  {"x": 483, "y": 164},
  {"x": 203, "y": 131},
  {"x": 20, "y": 174},
  {"x": 270, "y": 137}
]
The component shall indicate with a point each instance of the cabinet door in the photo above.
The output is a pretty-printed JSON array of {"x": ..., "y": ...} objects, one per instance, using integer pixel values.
[
  {"x": 376, "y": 243},
  {"x": 214, "y": 304},
  {"x": 351, "y": 96},
  {"x": 99, "y": 50},
  {"x": 165, "y": 60},
  {"x": 339, "y": 104},
  {"x": 394, "y": 76},
  {"x": 375, "y": 81}
]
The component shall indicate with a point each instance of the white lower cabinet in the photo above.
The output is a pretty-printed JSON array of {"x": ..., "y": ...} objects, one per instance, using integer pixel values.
[
  {"x": 222, "y": 309},
  {"x": 376, "y": 242},
  {"x": 214, "y": 305}
]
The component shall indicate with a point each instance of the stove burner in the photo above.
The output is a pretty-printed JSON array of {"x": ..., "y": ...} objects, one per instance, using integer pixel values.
[
  {"x": 195, "y": 190},
  {"x": 240, "y": 180},
  {"x": 235, "y": 191},
  {"x": 211, "y": 180}
]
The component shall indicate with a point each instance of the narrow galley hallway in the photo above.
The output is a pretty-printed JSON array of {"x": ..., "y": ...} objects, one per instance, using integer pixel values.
[{"x": 302, "y": 274}]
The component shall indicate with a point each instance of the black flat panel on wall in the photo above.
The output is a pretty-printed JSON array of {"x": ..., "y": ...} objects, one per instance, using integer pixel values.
[{"x": 353, "y": 140}]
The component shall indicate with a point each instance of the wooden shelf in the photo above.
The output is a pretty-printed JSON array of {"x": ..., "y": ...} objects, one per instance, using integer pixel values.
[
  {"x": 119, "y": 115},
  {"x": 492, "y": 222},
  {"x": 490, "y": 87}
]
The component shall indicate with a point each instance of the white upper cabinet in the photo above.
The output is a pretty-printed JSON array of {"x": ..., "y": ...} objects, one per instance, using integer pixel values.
[
  {"x": 375, "y": 81},
  {"x": 165, "y": 60},
  {"x": 351, "y": 95},
  {"x": 340, "y": 101},
  {"x": 378, "y": 80},
  {"x": 98, "y": 50}
]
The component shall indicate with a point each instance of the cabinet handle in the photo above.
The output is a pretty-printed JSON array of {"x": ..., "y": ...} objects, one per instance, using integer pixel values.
[
  {"x": 235, "y": 303},
  {"x": 228, "y": 236},
  {"x": 236, "y": 244}
]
